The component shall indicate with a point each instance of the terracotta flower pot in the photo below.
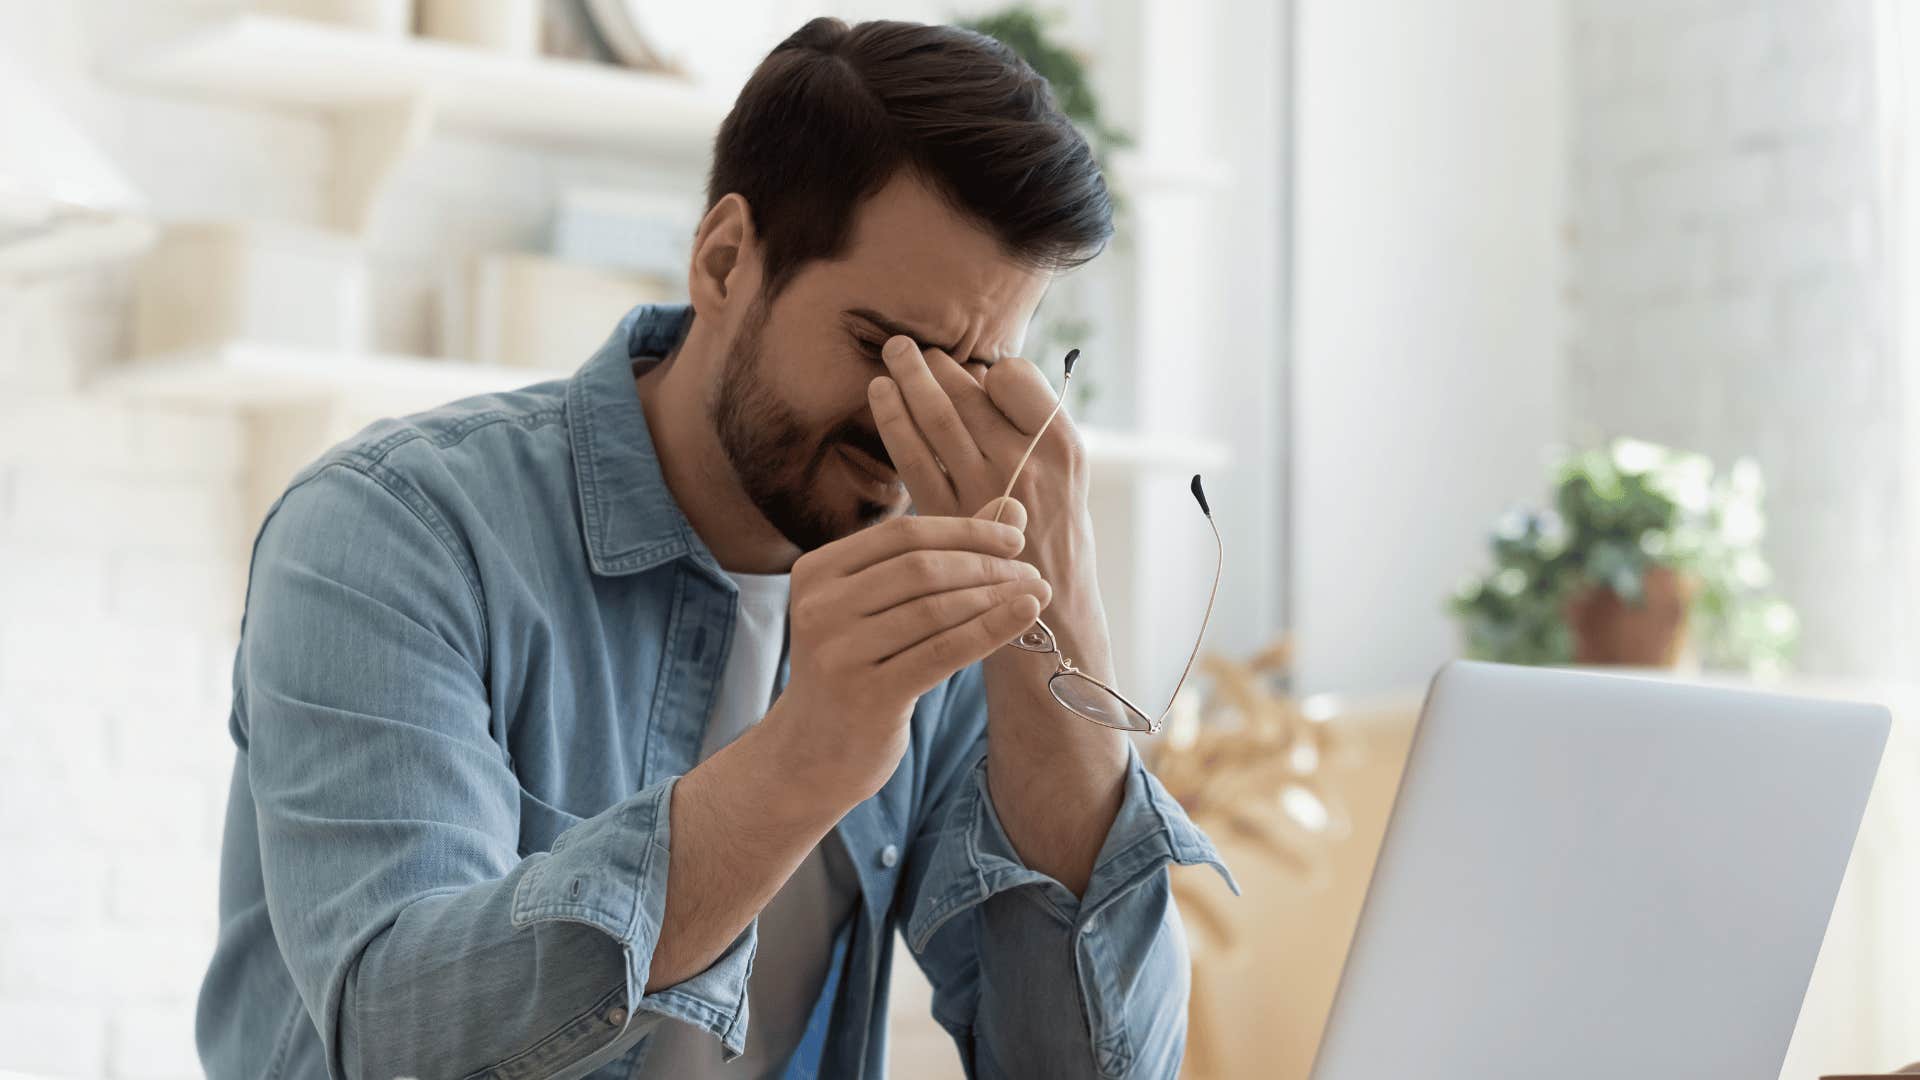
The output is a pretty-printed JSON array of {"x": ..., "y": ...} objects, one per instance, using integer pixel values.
[{"x": 1653, "y": 633}]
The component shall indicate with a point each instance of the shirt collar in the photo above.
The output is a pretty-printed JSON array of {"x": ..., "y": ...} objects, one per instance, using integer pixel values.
[{"x": 627, "y": 515}]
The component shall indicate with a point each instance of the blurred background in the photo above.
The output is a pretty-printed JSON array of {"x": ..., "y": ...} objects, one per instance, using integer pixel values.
[{"x": 1552, "y": 331}]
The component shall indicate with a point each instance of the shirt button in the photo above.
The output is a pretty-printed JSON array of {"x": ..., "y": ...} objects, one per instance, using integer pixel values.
[
  {"x": 617, "y": 1016},
  {"x": 1092, "y": 924},
  {"x": 889, "y": 856}
]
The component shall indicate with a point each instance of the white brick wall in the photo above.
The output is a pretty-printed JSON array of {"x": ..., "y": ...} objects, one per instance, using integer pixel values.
[
  {"x": 1726, "y": 273},
  {"x": 118, "y": 537},
  {"x": 123, "y": 534}
]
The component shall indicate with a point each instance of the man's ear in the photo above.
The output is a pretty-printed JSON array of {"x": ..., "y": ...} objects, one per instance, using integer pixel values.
[{"x": 726, "y": 257}]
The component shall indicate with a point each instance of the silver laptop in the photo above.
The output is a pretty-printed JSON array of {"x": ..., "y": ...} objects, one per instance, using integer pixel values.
[{"x": 1594, "y": 877}]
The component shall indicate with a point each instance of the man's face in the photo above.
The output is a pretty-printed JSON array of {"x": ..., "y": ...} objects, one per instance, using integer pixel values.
[{"x": 790, "y": 407}]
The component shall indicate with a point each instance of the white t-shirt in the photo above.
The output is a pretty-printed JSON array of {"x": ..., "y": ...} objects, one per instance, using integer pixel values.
[{"x": 798, "y": 927}]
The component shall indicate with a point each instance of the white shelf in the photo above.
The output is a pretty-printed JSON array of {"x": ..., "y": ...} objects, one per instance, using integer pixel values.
[
  {"x": 386, "y": 95},
  {"x": 294, "y": 63},
  {"x": 68, "y": 244},
  {"x": 249, "y": 374},
  {"x": 299, "y": 64},
  {"x": 243, "y": 374}
]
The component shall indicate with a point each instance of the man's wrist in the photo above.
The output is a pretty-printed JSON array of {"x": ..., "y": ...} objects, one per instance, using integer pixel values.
[
  {"x": 799, "y": 781},
  {"x": 1079, "y": 624},
  {"x": 1022, "y": 713},
  {"x": 1055, "y": 777}
]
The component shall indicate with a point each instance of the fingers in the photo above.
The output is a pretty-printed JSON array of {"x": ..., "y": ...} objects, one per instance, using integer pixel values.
[
  {"x": 931, "y": 487},
  {"x": 932, "y": 410},
  {"x": 849, "y": 555},
  {"x": 970, "y": 399},
  {"x": 921, "y": 573},
  {"x": 906, "y": 625},
  {"x": 1006, "y": 510},
  {"x": 1021, "y": 393},
  {"x": 925, "y": 665}
]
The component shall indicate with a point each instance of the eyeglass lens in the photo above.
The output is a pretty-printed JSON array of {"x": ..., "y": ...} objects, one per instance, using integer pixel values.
[{"x": 1096, "y": 702}]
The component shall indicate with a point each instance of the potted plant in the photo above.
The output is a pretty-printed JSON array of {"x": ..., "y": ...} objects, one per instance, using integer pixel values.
[{"x": 1646, "y": 556}]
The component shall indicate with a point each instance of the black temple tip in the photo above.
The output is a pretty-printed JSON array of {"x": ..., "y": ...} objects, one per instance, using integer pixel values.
[
  {"x": 1072, "y": 355},
  {"x": 1200, "y": 494}
]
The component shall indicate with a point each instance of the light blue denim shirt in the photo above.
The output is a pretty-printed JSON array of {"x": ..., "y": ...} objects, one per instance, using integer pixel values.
[{"x": 480, "y": 644}]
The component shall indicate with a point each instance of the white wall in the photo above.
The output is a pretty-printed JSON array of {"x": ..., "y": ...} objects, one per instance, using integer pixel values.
[
  {"x": 1730, "y": 284},
  {"x": 1201, "y": 259},
  {"x": 1427, "y": 313}
]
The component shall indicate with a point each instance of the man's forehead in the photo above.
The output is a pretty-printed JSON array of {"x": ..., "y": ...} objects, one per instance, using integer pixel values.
[{"x": 917, "y": 267}]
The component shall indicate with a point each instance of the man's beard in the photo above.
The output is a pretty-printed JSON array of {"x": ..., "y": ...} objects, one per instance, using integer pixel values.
[{"x": 778, "y": 465}]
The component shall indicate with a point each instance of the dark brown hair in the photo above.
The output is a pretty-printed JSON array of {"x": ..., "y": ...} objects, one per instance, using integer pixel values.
[{"x": 834, "y": 112}]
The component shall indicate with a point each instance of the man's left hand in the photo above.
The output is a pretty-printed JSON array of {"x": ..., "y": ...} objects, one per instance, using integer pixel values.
[{"x": 956, "y": 438}]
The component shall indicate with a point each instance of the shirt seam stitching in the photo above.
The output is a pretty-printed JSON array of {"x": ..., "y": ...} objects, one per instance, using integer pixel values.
[
  {"x": 375, "y": 472},
  {"x": 379, "y": 450},
  {"x": 669, "y": 649}
]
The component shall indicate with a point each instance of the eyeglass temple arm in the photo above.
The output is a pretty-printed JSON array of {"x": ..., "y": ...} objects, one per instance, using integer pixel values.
[
  {"x": 1219, "y": 564},
  {"x": 1072, "y": 355},
  {"x": 1200, "y": 496}
]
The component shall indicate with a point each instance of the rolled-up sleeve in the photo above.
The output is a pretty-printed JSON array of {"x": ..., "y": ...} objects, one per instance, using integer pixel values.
[
  {"x": 1033, "y": 981},
  {"x": 421, "y": 939}
]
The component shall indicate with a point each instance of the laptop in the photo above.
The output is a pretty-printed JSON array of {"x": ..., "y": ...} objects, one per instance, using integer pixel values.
[{"x": 1596, "y": 877}]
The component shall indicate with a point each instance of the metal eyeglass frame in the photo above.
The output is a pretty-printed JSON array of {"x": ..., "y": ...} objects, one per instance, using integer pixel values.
[{"x": 1040, "y": 638}]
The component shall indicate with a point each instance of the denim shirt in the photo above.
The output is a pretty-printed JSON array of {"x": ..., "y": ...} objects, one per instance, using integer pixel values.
[{"x": 480, "y": 645}]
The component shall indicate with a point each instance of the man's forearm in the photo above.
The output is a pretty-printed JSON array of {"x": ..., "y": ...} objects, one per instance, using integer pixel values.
[
  {"x": 742, "y": 822},
  {"x": 1056, "y": 779}
]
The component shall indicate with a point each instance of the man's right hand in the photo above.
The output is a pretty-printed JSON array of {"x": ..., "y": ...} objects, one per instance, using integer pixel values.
[
  {"x": 885, "y": 615},
  {"x": 878, "y": 619}
]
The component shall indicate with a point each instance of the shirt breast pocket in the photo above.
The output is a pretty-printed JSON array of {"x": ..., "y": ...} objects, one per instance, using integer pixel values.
[{"x": 541, "y": 823}]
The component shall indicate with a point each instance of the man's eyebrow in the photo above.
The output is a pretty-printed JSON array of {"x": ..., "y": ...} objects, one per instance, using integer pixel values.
[{"x": 890, "y": 328}]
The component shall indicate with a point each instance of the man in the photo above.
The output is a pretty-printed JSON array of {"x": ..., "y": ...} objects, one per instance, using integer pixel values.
[{"x": 578, "y": 724}]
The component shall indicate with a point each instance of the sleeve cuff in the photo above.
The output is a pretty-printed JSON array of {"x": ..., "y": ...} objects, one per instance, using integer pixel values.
[
  {"x": 610, "y": 872},
  {"x": 973, "y": 859}
]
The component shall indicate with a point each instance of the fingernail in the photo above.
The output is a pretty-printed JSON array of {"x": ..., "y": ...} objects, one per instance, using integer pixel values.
[{"x": 895, "y": 348}]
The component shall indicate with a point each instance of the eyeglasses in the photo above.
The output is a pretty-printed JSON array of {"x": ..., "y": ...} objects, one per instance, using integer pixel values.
[{"x": 1075, "y": 690}]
